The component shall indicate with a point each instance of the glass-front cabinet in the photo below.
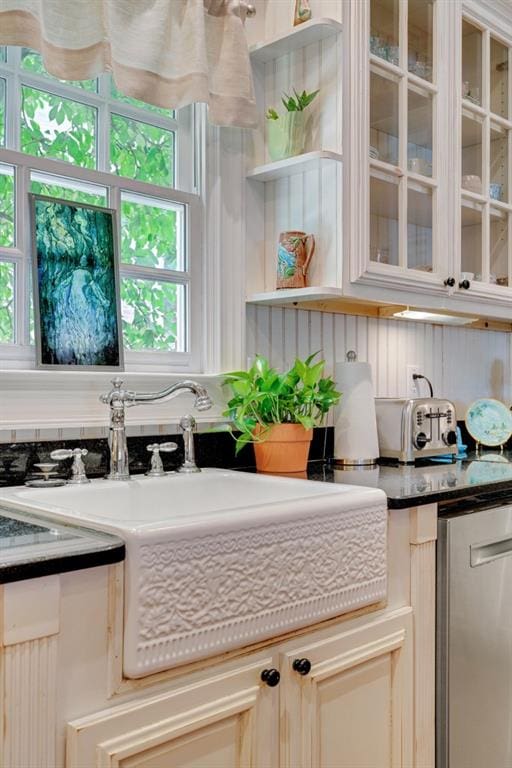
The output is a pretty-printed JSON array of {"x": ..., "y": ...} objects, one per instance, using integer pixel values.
[
  {"x": 403, "y": 157},
  {"x": 486, "y": 133}
]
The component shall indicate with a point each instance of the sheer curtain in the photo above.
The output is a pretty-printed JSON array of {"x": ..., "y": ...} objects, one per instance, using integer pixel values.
[{"x": 166, "y": 52}]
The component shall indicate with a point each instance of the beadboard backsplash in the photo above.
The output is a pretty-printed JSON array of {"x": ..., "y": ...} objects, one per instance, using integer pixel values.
[{"x": 462, "y": 364}]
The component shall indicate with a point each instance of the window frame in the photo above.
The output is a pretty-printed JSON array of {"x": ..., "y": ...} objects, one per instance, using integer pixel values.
[{"x": 187, "y": 130}]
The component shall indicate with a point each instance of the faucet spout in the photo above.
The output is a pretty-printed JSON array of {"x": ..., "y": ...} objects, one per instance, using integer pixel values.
[{"x": 202, "y": 402}]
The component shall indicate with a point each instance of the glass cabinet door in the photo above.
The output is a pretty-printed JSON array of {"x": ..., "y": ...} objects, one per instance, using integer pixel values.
[
  {"x": 486, "y": 135},
  {"x": 402, "y": 151}
]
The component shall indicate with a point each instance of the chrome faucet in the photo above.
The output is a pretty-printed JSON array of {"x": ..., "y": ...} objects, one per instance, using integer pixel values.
[{"x": 118, "y": 399}]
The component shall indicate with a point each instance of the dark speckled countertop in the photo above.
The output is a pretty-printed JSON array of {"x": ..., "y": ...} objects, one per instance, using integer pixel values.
[
  {"x": 32, "y": 546},
  {"x": 484, "y": 474}
]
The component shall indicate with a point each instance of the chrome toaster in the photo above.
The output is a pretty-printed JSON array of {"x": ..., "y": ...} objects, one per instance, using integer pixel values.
[{"x": 411, "y": 429}]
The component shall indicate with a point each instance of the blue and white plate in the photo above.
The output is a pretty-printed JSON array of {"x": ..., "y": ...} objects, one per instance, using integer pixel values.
[{"x": 489, "y": 422}]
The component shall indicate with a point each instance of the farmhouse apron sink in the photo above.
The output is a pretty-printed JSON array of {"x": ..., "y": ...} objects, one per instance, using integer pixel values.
[{"x": 222, "y": 559}]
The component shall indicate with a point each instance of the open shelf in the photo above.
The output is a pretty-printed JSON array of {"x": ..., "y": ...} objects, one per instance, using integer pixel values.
[
  {"x": 292, "y": 165},
  {"x": 298, "y": 37},
  {"x": 294, "y": 295}
]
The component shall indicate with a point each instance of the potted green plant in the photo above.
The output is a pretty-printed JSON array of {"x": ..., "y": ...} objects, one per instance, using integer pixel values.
[
  {"x": 277, "y": 411},
  {"x": 287, "y": 134}
]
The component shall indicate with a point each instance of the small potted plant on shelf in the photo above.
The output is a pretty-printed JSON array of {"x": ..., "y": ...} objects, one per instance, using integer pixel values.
[
  {"x": 277, "y": 411},
  {"x": 287, "y": 134}
]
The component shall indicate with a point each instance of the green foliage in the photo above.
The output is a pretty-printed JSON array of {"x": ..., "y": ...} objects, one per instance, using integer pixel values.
[
  {"x": 65, "y": 193},
  {"x": 6, "y": 213},
  {"x": 299, "y": 101},
  {"x": 262, "y": 396},
  {"x": 60, "y": 128},
  {"x": 6, "y": 302},
  {"x": 141, "y": 151},
  {"x": 149, "y": 310},
  {"x": 296, "y": 103},
  {"x": 148, "y": 235}
]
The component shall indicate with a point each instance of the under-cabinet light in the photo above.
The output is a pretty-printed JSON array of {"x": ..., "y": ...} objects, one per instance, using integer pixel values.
[{"x": 434, "y": 317}]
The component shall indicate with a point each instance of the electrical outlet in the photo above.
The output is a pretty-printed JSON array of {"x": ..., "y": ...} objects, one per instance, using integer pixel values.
[{"x": 412, "y": 384}]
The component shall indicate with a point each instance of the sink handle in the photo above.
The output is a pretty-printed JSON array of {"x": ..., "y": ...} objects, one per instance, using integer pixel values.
[
  {"x": 156, "y": 468},
  {"x": 78, "y": 476}
]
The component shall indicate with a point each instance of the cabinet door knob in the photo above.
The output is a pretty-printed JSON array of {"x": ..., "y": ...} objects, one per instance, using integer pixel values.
[
  {"x": 464, "y": 284},
  {"x": 271, "y": 677},
  {"x": 302, "y": 666},
  {"x": 449, "y": 282}
]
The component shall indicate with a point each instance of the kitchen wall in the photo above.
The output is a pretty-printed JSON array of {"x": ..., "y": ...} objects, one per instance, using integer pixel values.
[{"x": 462, "y": 364}]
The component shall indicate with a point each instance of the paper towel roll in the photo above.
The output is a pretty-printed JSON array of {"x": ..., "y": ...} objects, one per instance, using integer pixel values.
[{"x": 355, "y": 429}]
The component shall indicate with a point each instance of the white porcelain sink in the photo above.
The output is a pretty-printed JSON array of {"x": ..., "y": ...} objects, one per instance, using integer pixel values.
[{"x": 220, "y": 559}]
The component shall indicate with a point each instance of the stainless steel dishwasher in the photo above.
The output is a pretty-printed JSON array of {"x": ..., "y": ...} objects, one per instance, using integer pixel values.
[{"x": 474, "y": 638}]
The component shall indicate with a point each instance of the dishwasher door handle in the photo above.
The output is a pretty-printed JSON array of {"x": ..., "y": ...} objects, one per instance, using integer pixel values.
[{"x": 480, "y": 554}]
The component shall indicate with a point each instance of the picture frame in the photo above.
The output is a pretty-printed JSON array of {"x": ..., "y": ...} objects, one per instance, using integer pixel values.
[{"x": 76, "y": 286}]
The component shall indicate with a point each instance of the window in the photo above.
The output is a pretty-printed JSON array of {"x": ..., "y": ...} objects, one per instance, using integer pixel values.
[{"x": 85, "y": 141}]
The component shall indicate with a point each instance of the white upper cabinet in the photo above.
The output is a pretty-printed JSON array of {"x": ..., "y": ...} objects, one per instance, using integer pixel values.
[
  {"x": 405, "y": 179},
  {"x": 405, "y": 150},
  {"x": 485, "y": 172}
]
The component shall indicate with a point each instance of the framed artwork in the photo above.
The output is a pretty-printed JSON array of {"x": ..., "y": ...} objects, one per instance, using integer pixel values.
[{"x": 76, "y": 286}]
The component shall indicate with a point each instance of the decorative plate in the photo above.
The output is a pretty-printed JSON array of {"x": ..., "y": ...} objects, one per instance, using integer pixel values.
[{"x": 489, "y": 422}]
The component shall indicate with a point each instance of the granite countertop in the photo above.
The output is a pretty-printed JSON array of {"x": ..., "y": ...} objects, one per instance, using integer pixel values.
[
  {"x": 405, "y": 486},
  {"x": 32, "y": 546}
]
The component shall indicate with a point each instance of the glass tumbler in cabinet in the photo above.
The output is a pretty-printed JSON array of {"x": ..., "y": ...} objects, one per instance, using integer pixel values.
[
  {"x": 499, "y": 168},
  {"x": 471, "y": 63},
  {"x": 384, "y": 31},
  {"x": 420, "y": 35}
]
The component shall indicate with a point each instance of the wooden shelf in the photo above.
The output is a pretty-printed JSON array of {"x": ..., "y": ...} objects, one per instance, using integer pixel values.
[
  {"x": 292, "y": 165},
  {"x": 298, "y": 37},
  {"x": 294, "y": 295}
]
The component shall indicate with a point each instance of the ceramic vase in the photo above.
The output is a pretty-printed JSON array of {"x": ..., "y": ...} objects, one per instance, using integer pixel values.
[
  {"x": 302, "y": 12},
  {"x": 294, "y": 255}
]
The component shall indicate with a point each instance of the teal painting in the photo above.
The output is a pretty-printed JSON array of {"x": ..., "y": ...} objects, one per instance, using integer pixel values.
[{"x": 76, "y": 297}]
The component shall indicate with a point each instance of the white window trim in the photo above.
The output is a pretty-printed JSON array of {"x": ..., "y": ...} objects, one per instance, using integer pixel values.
[{"x": 22, "y": 355}]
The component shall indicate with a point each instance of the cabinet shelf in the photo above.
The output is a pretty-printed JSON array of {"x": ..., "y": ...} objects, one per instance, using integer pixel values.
[
  {"x": 298, "y": 37},
  {"x": 292, "y": 165},
  {"x": 294, "y": 295}
]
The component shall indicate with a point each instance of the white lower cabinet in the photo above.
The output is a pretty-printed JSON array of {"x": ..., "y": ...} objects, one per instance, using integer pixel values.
[
  {"x": 351, "y": 707},
  {"x": 223, "y": 720}
]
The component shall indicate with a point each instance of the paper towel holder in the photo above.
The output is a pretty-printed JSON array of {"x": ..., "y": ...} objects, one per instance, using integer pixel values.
[{"x": 340, "y": 463}]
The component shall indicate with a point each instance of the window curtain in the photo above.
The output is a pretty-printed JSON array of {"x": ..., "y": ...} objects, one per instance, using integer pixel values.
[{"x": 168, "y": 53}]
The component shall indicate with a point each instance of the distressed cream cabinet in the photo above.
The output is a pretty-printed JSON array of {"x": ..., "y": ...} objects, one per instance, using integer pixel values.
[
  {"x": 352, "y": 708},
  {"x": 367, "y": 698}
]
